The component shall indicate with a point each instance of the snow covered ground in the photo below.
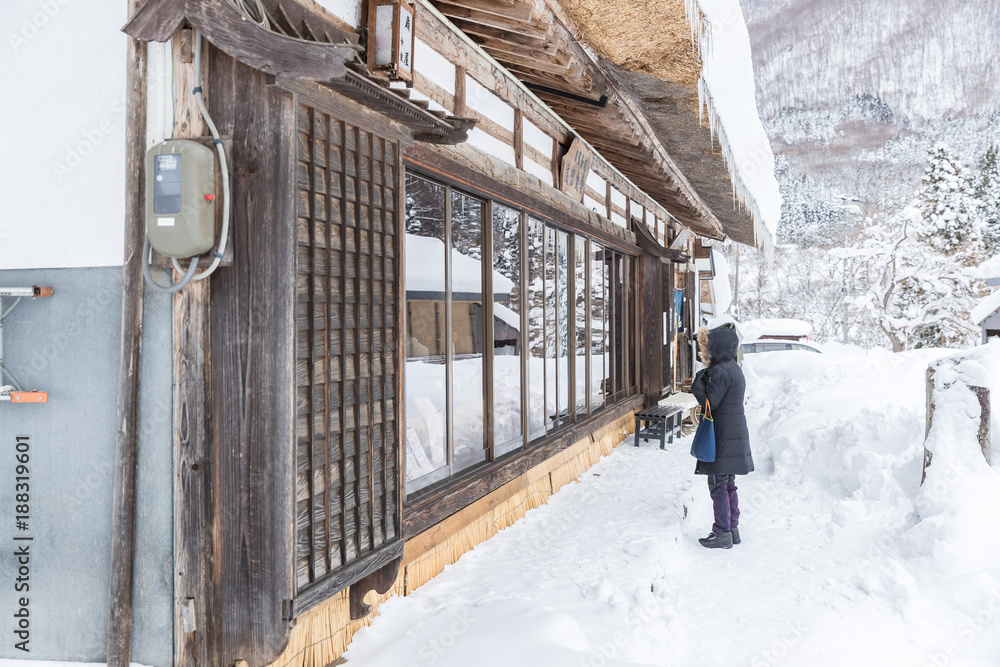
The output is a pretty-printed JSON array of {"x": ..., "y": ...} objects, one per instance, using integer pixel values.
[{"x": 846, "y": 559}]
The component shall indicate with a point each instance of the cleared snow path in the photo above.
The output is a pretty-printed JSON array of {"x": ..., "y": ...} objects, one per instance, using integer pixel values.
[{"x": 836, "y": 565}]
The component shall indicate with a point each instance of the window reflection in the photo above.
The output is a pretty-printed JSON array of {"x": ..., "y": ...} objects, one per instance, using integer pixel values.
[
  {"x": 467, "y": 330},
  {"x": 536, "y": 329},
  {"x": 581, "y": 309},
  {"x": 426, "y": 336},
  {"x": 557, "y": 336},
  {"x": 507, "y": 431}
]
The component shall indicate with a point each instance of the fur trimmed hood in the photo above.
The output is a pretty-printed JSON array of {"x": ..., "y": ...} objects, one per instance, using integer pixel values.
[
  {"x": 703, "y": 353},
  {"x": 718, "y": 345}
]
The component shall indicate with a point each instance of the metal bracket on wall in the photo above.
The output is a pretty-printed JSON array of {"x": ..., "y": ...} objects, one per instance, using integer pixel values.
[{"x": 13, "y": 392}]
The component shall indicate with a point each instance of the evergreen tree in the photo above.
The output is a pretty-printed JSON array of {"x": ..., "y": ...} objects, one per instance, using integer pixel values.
[
  {"x": 988, "y": 195},
  {"x": 936, "y": 287}
]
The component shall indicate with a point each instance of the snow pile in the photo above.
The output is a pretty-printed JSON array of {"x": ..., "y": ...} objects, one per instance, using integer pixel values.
[
  {"x": 846, "y": 559},
  {"x": 726, "y": 90}
]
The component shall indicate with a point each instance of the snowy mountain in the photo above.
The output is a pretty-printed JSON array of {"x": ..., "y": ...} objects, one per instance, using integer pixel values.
[
  {"x": 924, "y": 58},
  {"x": 855, "y": 94}
]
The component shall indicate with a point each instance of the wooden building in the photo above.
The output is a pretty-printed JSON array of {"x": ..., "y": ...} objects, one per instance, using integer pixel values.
[{"x": 342, "y": 422}]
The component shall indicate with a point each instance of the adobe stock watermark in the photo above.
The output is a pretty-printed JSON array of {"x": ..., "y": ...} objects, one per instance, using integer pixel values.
[
  {"x": 34, "y": 22},
  {"x": 778, "y": 650},
  {"x": 435, "y": 647},
  {"x": 91, "y": 138},
  {"x": 967, "y": 631}
]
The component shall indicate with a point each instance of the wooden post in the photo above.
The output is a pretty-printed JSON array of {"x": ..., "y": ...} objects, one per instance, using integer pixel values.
[
  {"x": 193, "y": 605},
  {"x": 518, "y": 139},
  {"x": 119, "y": 639},
  {"x": 459, "y": 110},
  {"x": 983, "y": 434}
]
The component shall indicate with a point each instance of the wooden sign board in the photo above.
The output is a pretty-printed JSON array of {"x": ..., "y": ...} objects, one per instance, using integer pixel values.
[{"x": 574, "y": 171}]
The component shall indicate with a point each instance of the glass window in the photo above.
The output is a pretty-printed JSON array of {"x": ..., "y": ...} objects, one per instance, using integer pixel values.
[
  {"x": 581, "y": 309},
  {"x": 551, "y": 344},
  {"x": 536, "y": 329},
  {"x": 598, "y": 327},
  {"x": 426, "y": 336},
  {"x": 507, "y": 431},
  {"x": 468, "y": 444},
  {"x": 563, "y": 325},
  {"x": 551, "y": 351}
]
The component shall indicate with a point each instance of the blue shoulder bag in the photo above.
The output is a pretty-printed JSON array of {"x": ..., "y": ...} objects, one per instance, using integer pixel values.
[{"x": 703, "y": 446}]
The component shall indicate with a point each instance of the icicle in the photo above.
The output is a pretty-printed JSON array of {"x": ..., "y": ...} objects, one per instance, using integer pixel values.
[{"x": 743, "y": 199}]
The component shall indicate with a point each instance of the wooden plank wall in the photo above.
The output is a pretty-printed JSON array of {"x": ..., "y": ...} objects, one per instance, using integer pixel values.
[{"x": 252, "y": 373}]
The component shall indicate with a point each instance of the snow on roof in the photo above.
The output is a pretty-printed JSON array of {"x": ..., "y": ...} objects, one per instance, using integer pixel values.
[
  {"x": 754, "y": 329},
  {"x": 425, "y": 269},
  {"x": 990, "y": 268},
  {"x": 726, "y": 90},
  {"x": 986, "y": 307}
]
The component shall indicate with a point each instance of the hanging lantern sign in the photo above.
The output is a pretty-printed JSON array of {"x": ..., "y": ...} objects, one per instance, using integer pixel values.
[{"x": 391, "y": 38}]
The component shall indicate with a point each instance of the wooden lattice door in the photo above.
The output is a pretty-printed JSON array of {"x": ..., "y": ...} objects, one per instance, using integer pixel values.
[{"x": 347, "y": 483}]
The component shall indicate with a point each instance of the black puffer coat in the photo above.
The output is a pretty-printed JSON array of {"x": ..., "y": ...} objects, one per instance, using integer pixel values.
[{"x": 724, "y": 386}]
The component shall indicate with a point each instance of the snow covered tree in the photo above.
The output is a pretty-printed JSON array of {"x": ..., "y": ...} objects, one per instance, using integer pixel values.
[
  {"x": 988, "y": 194},
  {"x": 920, "y": 261},
  {"x": 948, "y": 207}
]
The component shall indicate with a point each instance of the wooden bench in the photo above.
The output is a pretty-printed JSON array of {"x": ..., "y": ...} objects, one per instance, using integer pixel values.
[{"x": 662, "y": 422}]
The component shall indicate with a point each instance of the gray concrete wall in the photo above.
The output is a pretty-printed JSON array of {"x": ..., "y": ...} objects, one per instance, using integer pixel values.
[{"x": 68, "y": 345}]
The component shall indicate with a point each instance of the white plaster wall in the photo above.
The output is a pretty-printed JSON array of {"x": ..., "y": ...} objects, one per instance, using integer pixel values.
[
  {"x": 434, "y": 66},
  {"x": 488, "y": 104},
  {"x": 544, "y": 173},
  {"x": 349, "y": 11},
  {"x": 62, "y": 176}
]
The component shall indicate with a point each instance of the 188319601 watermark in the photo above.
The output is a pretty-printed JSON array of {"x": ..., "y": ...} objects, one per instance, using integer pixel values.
[{"x": 22, "y": 542}]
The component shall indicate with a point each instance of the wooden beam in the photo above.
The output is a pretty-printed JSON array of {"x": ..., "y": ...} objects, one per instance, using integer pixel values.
[
  {"x": 490, "y": 20},
  {"x": 535, "y": 64},
  {"x": 543, "y": 44},
  {"x": 119, "y": 637},
  {"x": 518, "y": 139},
  {"x": 508, "y": 9}
]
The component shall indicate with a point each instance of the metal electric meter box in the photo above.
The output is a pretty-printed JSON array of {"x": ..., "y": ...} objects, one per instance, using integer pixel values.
[{"x": 180, "y": 198}]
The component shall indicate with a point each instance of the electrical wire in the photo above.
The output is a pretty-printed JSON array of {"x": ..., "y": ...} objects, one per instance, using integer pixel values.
[
  {"x": 224, "y": 236},
  {"x": 173, "y": 287},
  {"x": 254, "y": 11}
]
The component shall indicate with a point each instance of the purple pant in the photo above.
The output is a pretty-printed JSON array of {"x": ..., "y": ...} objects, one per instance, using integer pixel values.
[{"x": 727, "y": 509}]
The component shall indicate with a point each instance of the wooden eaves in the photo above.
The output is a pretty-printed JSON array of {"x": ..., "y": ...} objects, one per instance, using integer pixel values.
[
  {"x": 537, "y": 42},
  {"x": 290, "y": 57}
]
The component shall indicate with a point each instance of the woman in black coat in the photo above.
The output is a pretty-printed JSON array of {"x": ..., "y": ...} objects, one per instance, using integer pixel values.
[{"x": 724, "y": 386}]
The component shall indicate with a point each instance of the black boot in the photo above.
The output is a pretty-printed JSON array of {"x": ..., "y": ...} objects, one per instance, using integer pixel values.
[
  {"x": 717, "y": 541},
  {"x": 736, "y": 535}
]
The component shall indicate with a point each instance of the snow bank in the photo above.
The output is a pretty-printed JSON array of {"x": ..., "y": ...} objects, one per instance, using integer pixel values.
[{"x": 726, "y": 90}]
